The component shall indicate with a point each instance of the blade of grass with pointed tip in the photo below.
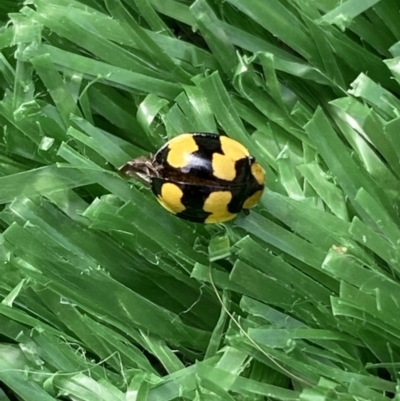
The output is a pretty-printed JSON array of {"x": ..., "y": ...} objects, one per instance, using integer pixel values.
[
  {"x": 329, "y": 193},
  {"x": 55, "y": 86},
  {"x": 370, "y": 127},
  {"x": 277, "y": 19},
  {"x": 214, "y": 35},
  {"x": 45, "y": 181},
  {"x": 147, "y": 46},
  {"x": 350, "y": 175},
  {"x": 155, "y": 22},
  {"x": 347, "y": 11},
  {"x": 114, "y": 76}
]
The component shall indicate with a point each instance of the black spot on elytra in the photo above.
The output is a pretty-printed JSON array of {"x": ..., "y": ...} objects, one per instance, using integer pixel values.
[{"x": 194, "y": 197}]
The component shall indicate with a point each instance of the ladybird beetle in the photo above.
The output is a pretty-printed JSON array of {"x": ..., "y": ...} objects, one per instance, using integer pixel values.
[{"x": 201, "y": 177}]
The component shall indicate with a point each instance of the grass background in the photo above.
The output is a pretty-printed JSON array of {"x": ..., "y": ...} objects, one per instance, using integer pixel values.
[{"x": 105, "y": 296}]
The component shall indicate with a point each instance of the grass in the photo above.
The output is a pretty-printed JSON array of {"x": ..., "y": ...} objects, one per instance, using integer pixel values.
[{"x": 106, "y": 296}]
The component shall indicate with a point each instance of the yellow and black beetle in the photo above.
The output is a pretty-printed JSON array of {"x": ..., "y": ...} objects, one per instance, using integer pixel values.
[{"x": 201, "y": 177}]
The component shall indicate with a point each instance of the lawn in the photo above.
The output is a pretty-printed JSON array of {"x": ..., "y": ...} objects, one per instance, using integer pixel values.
[{"x": 107, "y": 296}]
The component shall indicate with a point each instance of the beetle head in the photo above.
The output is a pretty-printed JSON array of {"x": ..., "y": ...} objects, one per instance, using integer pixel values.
[{"x": 142, "y": 169}]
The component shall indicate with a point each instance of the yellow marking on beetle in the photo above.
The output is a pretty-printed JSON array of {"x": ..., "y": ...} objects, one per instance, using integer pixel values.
[
  {"x": 170, "y": 198},
  {"x": 233, "y": 149},
  {"x": 180, "y": 149},
  {"x": 252, "y": 200},
  {"x": 223, "y": 167},
  {"x": 217, "y": 204},
  {"x": 258, "y": 173}
]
